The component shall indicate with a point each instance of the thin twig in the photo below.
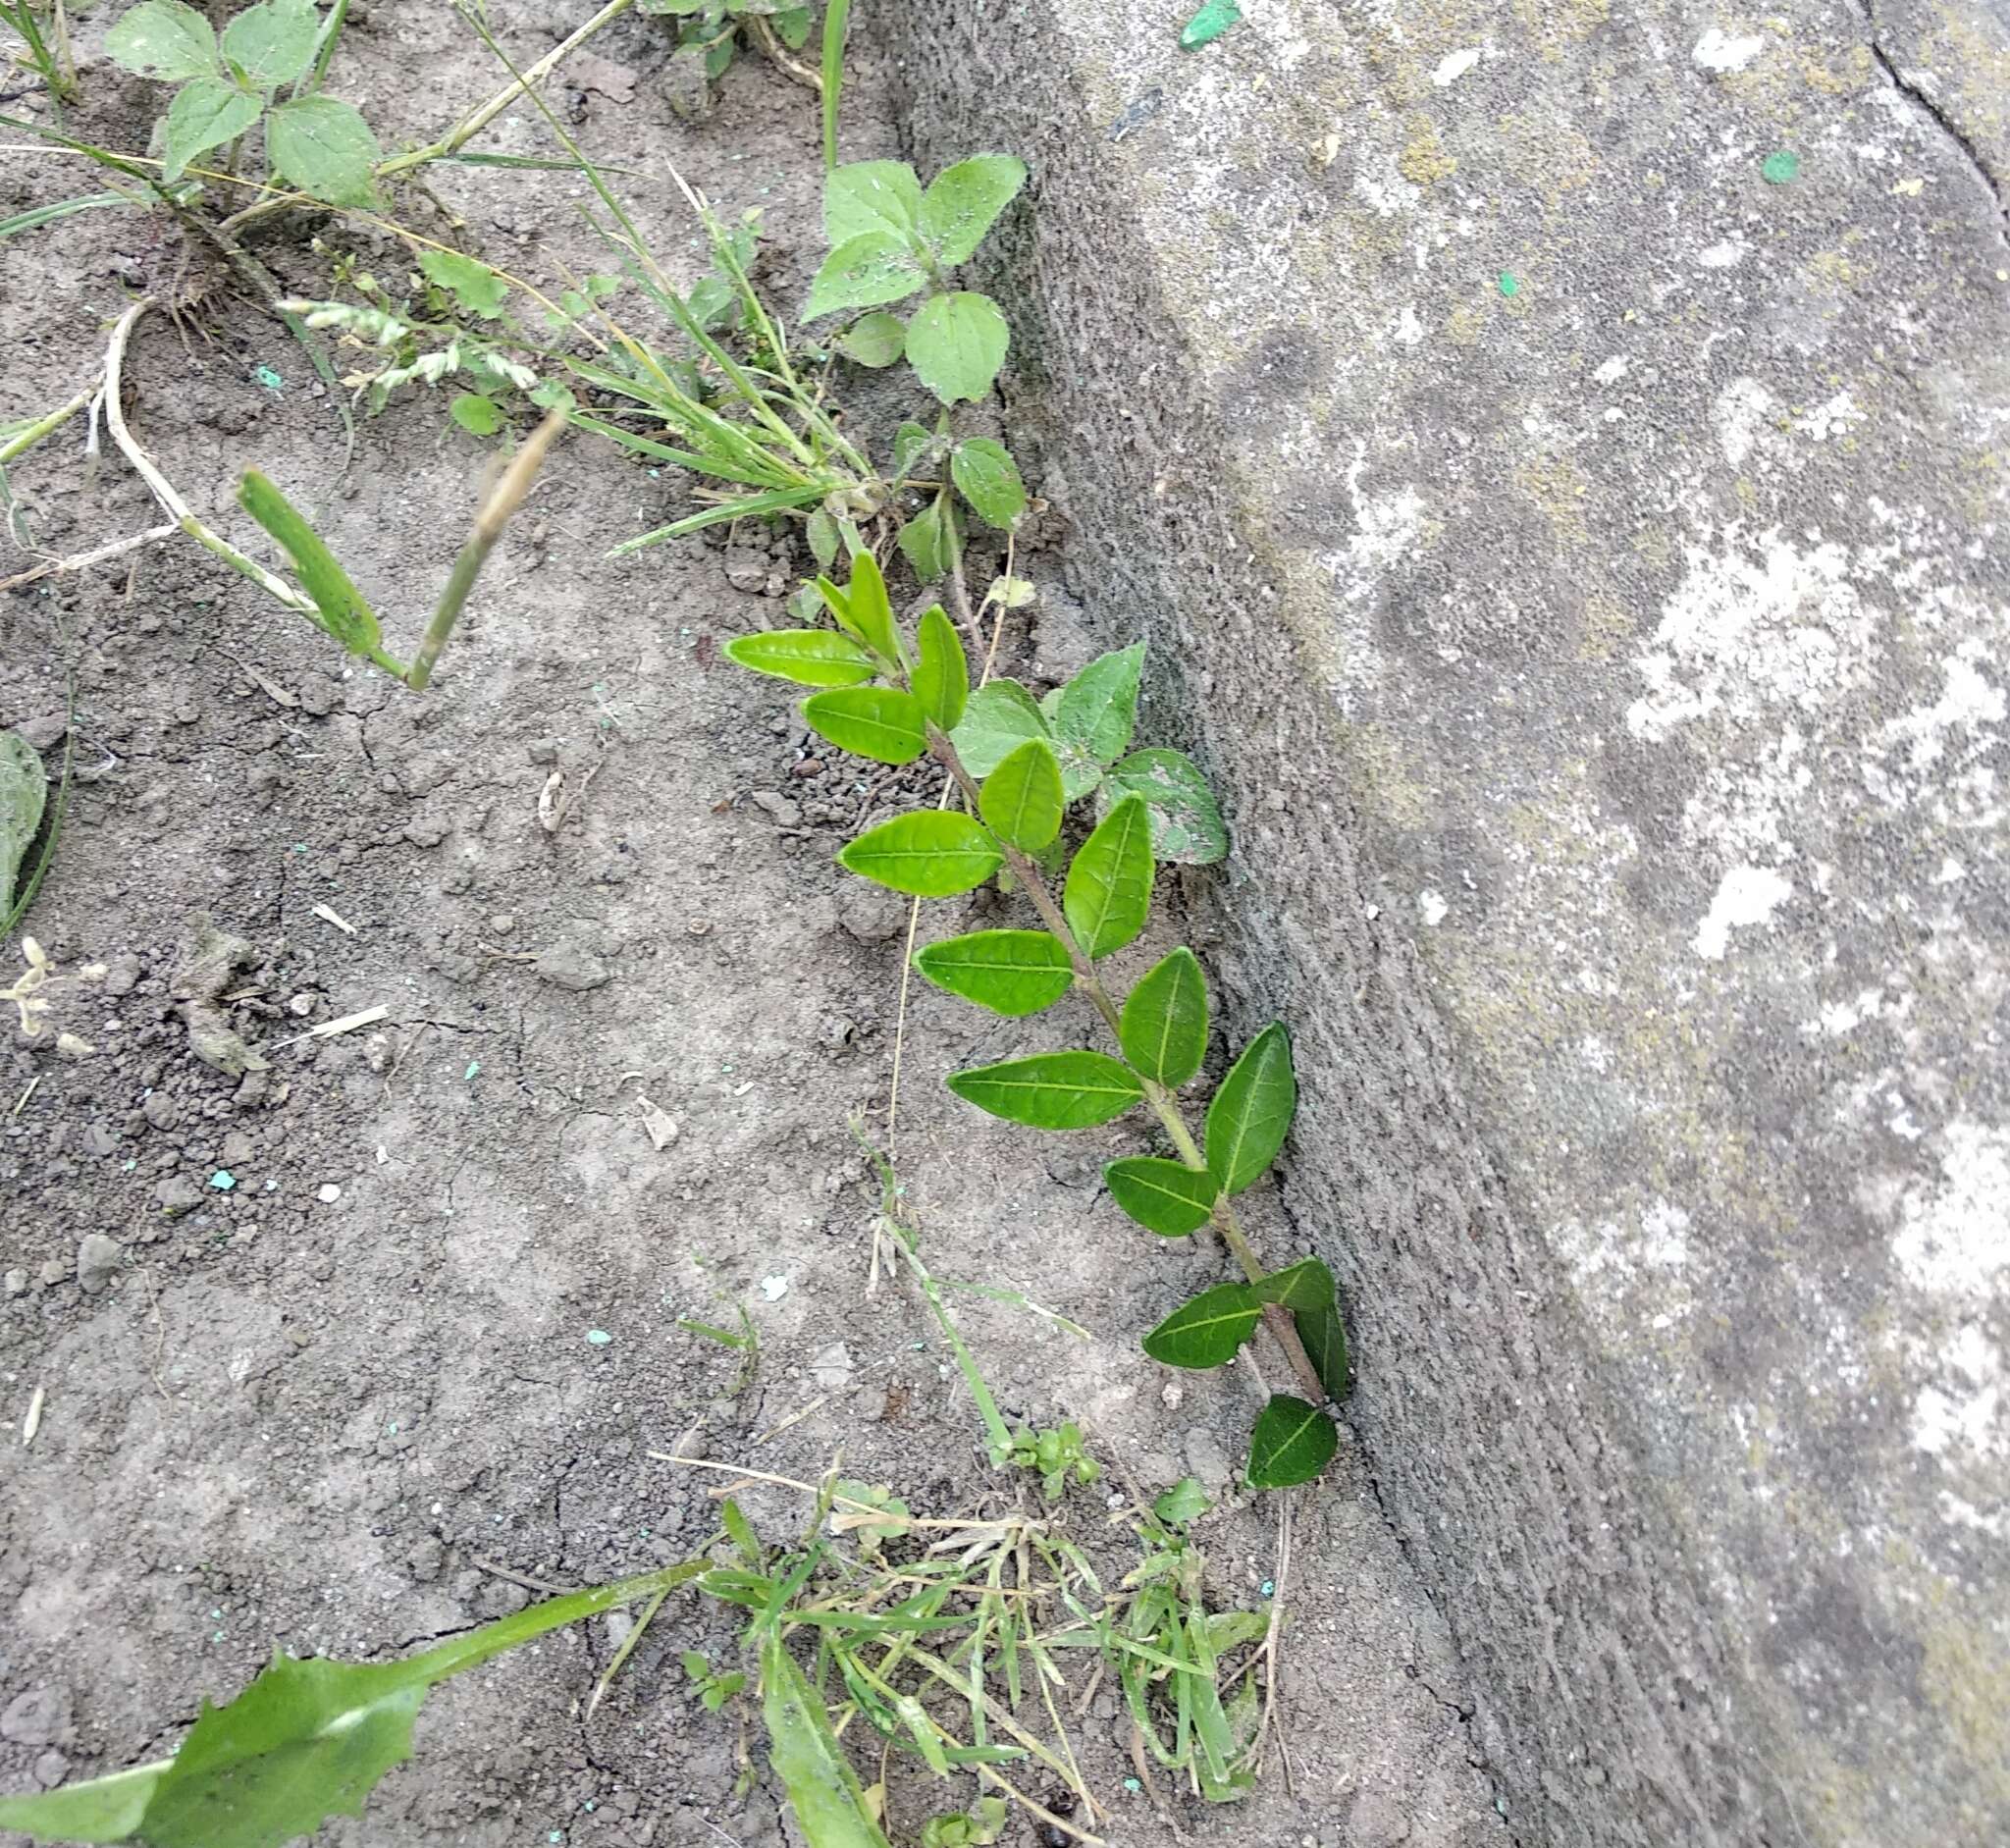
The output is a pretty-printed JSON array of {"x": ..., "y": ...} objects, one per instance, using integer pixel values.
[
  {"x": 164, "y": 489},
  {"x": 56, "y": 567},
  {"x": 778, "y": 55},
  {"x": 521, "y": 1578}
]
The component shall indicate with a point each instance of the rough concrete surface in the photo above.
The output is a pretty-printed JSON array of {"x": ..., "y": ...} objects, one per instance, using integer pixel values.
[{"x": 1559, "y": 452}]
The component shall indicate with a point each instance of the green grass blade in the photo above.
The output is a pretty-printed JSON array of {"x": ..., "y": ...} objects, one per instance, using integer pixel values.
[
  {"x": 62, "y": 208},
  {"x": 746, "y": 509},
  {"x": 681, "y": 458},
  {"x": 835, "y": 15}
]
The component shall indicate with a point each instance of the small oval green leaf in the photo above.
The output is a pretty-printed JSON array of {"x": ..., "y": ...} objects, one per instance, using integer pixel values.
[
  {"x": 272, "y": 42},
  {"x": 164, "y": 39},
  {"x": 1051, "y": 1091},
  {"x": 1306, "y": 1286},
  {"x": 877, "y": 722},
  {"x": 1098, "y": 708},
  {"x": 323, "y": 147},
  {"x": 810, "y": 658},
  {"x": 956, "y": 344},
  {"x": 1205, "y": 1330},
  {"x": 1248, "y": 1120},
  {"x": 986, "y": 476},
  {"x": 1000, "y": 716},
  {"x": 1186, "y": 828},
  {"x": 1291, "y": 1444},
  {"x": 1020, "y": 800},
  {"x": 874, "y": 339},
  {"x": 479, "y": 416},
  {"x": 1010, "y": 971},
  {"x": 206, "y": 112},
  {"x": 864, "y": 196},
  {"x": 1108, "y": 895},
  {"x": 929, "y": 854},
  {"x": 963, "y": 202},
  {"x": 871, "y": 610},
  {"x": 864, "y": 271},
  {"x": 941, "y": 676},
  {"x": 1324, "y": 1338},
  {"x": 1164, "y": 1024},
  {"x": 932, "y": 540},
  {"x": 1163, "y": 1197}
]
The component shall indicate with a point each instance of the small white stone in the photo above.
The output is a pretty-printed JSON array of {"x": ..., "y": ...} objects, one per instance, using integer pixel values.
[
  {"x": 328, "y": 1194},
  {"x": 1431, "y": 906}
]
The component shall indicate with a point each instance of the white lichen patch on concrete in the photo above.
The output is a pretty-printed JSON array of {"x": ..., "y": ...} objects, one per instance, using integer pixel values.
[
  {"x": 1718, "y": 50},
  {"x": 1752, "y": 626},
  {"x": 1954, "y": 1239},
  {"x": 1746, "y": 898}
]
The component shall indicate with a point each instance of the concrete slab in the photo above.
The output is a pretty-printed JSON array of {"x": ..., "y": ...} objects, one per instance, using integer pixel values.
[{"x": 1560, "y": 454}]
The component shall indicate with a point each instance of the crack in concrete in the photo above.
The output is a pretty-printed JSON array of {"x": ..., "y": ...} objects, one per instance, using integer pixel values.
[{"x": 1923, "y": 100}]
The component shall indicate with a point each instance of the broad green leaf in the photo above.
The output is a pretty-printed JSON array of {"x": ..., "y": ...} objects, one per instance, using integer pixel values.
[
  {"x": 344, "y": 612},
  {"x": 1080, "y": 773},
  {"x": 479, "y": 416},
  {"x": 986, "y": 476},
  {"x": 24, "y": 794},
  {"x": 1020, "y": 800},
  {"x": 1098, "y": 708},
  {"x": 307, "y": 1740},
  {"x": 956, "y": 344},
  {"x": 1051, "y": 1091},
  {"x": 1323, "y": 1335},
  {"x": 963, "y": 202},
  {"x": 929, "y": 854},
  {"x": 1186, "y": 824},
  {"x": 873, "y": 340},
  {"x": 932, "y": 540},
  {"x": 810, "y": 658},
  {"x": 941, "y": 676},
  {"x": 1185, "y": 1500},
  {"x": 1108, "y": 895},
  {"x": 822, "y": 1787},
  {"x": 1163, "y": 1197},
  {"x": 471, "y": 283},
  {"x": 877, "y": 722},
  {"x": 871, "y": 195},
  {"x": 1248, "y": 1120},
  {"x": 272, "y": 42},
  {"x": 323, "y": 148},
  {"x": 1164, "y": 1024},
  {"x": 1291, "y": 1444},
  {"x": 740, "y": 1531},
  {"x": 792, "y": 27},
  {"x": 871, "y": 610},
  {"x": 101, "y": 1810},
  {"x": 1010, "y": 971},
  {"x": 164, "y": 39},
  {"x": 1205, "y": 1330},
  {"x": 864, "y": 271},
  {"x": 1306, "y": 1286},
  {"x": 206, "y": 112},
  {"x": 1001, "y": 717}
]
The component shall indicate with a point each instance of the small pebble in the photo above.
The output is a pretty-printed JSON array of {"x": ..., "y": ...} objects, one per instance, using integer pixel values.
[
  {"x": 599, "y": 1337},
  {"x": 328, "y": 1194}
]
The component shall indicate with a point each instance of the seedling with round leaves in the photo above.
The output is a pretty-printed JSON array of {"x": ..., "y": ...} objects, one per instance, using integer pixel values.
[
  {"x": 227, "y": 83},
  {"x": 1018, "y": 764}
]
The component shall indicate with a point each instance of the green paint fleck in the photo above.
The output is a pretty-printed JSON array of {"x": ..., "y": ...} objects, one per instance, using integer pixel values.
[
  {"x": 1132, "y": 1783},
  {"x": 1510, "y": 283},
  {"x": 223, "y": 1181},
  {"x": 271, "y": 379},
  {"x": 1269, "y": 1588},
  {"x": 473, "y": 1072},
  {"x": 1781, "y": 169},
  {"x": 599, "y": 1337},
  {"x": 1208, "y": 25}
]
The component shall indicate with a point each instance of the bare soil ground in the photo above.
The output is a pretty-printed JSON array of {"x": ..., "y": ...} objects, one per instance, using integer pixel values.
[{"x": 431, "y": 1328}]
